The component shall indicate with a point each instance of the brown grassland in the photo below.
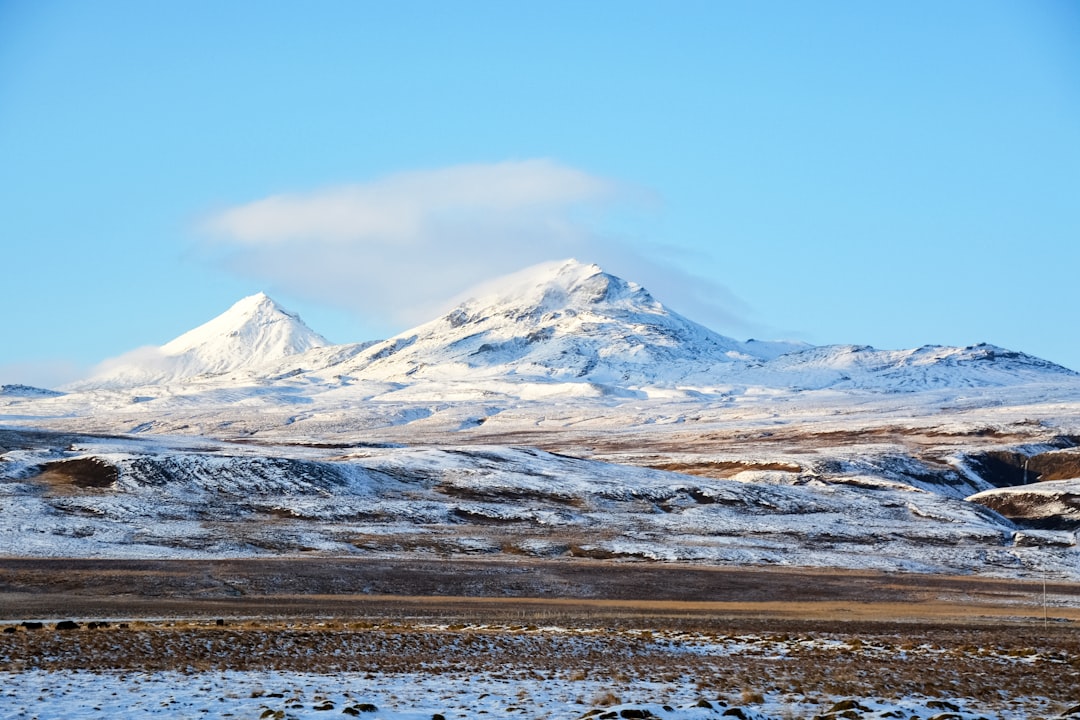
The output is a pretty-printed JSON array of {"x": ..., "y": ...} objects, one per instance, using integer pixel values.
[{"x": 806, "y": 632}]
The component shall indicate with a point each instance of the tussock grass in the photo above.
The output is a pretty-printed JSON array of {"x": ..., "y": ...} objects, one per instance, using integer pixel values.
[{"x": 983, "y": 664}]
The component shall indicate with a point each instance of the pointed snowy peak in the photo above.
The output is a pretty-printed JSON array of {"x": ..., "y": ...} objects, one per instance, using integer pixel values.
[
  {"x": 256, "y": 328},
  {"x": 254, "y": 332}
]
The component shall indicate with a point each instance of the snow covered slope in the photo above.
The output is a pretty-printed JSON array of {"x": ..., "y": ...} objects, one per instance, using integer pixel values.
[
  {"x": 253, "y": 333},
  {"x": 108, "y": 497}
]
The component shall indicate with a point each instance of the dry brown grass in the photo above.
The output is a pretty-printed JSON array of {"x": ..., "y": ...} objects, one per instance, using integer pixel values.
[
  {"x": 865, "y": 660},
  {"x": 47, "y": 587},
  {"x": 723, "y": 468}
]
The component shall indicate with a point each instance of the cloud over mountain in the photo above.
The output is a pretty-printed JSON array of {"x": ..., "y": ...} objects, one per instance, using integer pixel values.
[
  {"x": 403, "y": 243},
  {"x": 411, "y": 208},
  {"x": 398, "y": 249}
]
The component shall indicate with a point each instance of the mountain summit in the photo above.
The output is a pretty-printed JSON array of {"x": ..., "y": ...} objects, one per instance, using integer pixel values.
[
  {"x": 562, "y": 321},
  {"x": 255, "y": 331}
]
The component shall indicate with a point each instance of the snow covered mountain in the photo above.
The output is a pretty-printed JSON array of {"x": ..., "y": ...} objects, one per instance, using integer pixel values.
[
  {"x": 854, "y": 367},
  {"x": 565, "y": 324},
  {"x": 254, "y": 333},
  {"x": 564, "y": 321}
]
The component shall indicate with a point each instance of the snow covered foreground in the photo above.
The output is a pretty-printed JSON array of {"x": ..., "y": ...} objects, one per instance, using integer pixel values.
[
  {"x": 412, "y": 696},
  {"x": 544, "y": 672}
]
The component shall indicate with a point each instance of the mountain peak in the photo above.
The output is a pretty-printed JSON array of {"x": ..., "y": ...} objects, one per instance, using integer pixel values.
[
  {"x": 556, "y": 287},
  {"x": 255, "y": 331},
  {"x": 563, "y": 320},
  {"x": 255, "y": 321},
  {"x": 259, "y": 303},
  {"x": 258, "y": 300}
]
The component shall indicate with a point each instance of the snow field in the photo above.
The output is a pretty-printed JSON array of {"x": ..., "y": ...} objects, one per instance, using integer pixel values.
[{"x": 419, "y": 696}]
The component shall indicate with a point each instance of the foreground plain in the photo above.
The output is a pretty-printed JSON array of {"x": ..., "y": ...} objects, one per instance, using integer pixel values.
[{"x": 318, "y": 638}]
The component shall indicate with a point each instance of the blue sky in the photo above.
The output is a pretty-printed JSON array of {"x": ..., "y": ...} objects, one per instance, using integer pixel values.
[{"x": 888, "y": 173}]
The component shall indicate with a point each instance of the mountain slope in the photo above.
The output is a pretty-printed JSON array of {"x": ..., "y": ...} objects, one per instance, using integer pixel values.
[
  {"x": 114, "y": 497},
  {"x": 28, "y": 391},
  {"x": 255, "y": 332}
]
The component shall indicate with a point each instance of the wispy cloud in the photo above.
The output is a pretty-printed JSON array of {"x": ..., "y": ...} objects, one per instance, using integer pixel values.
[
  {"x": 412, "y": 208},
  {"x": 399, "y": 247}
]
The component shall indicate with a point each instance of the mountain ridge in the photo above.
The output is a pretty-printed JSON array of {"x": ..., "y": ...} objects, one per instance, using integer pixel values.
[{"x": 559, "y": 322}]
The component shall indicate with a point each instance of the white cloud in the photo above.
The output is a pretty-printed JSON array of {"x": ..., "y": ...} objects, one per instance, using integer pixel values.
[
  {"x": 407, "y": 208},
  {"x": 147, "y": 358},
  {"x": 396, "y": 249}
]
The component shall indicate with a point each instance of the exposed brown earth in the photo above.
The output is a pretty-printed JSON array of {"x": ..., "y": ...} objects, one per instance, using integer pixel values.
[
  {"x": 70, "y": 476},
  {"x": 1008, "y": 468},
  {"x": 287, "y": 587},
  {"x": 724, "y": 468}
]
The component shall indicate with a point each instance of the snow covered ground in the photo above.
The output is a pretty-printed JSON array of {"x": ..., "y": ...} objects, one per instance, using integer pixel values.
[
  {"x": 85, "y": 496},
  {"x": 559, "y": 672},
  {"x": 423, "y": 696}
]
